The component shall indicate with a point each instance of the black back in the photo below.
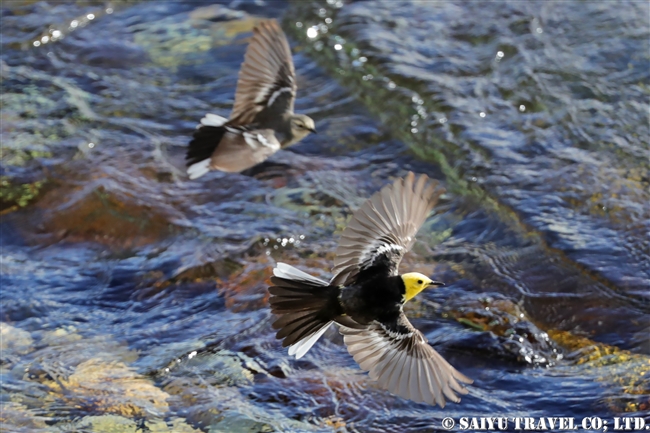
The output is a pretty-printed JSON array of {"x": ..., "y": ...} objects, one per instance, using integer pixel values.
[{"x": 374, "y": 298}]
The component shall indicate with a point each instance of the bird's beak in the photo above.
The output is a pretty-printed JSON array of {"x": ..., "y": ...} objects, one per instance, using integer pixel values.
[
  {"x": 313, "y": 130},
  {"x": 436, "y": 283}
]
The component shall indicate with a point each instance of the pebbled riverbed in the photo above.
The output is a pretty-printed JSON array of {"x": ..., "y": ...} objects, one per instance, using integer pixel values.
[{"x": 134, "y": 298}]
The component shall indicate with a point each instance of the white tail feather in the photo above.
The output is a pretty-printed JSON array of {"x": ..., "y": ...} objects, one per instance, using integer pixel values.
[
  {"x": 288, "y": 272},
  {"x": 198, "y": 169},
  {"x": 212, "y": 120},
  {"x": 301, "y": 347},
  {"x": 282, "y": 270}
]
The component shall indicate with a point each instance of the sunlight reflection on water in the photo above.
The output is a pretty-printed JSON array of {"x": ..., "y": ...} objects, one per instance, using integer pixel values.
[{"x": 115, "y": 267}]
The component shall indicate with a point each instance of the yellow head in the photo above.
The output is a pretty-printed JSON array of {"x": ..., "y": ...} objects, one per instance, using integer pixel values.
[{"x": 415, "y": 282}]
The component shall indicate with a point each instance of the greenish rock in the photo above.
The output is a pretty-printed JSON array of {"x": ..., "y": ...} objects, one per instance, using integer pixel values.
[
  {"x": 15, "y": 195},
  {"x": 627, "y": 374},
  {"x": 235, "y": 422},
  {"x": 37, "y": 118},
  {"x": 175, "y": 425},
  {"x": 171, "y": 44},
  {"x": 107, "y": 424}
]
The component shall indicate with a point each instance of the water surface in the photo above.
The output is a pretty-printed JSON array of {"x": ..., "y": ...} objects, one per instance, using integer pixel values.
[{"x": 134, "y": 297}]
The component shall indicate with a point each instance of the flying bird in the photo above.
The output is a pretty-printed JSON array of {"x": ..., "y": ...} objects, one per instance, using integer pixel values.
[
  {"x": 366, "y": 296},
  {"x": 262, "y": 120}
]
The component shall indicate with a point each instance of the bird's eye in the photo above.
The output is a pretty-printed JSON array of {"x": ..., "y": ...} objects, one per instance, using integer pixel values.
[{"x": 419, "y": 281}]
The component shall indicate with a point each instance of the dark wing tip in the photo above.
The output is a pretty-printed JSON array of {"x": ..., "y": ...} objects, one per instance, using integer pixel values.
[{"x": 269, "y": 26}]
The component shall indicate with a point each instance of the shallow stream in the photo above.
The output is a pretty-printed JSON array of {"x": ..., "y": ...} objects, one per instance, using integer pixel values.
[{"x": 134, "y": 299}]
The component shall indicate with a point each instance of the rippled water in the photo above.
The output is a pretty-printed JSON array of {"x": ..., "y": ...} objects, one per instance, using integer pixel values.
[{"x": 132, "y": 297}]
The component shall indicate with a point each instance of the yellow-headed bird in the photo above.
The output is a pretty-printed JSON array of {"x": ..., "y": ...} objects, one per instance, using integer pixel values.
[{"x": 366, "y": 297}]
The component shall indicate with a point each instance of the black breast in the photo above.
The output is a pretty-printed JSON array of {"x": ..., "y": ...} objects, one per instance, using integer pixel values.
[{"x": 373, "y": 299}]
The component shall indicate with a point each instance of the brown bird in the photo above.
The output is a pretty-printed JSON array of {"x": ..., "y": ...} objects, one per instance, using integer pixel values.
[
  {"x": 262, "y": 120},
  {"x": 366, "y": 297}
]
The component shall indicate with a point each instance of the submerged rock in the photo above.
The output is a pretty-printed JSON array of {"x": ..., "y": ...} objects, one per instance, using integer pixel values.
[
  {"x": 627, "y": 373},
  {"x": 14, "y": 196},
  {"x": 88, "y": 374},
  {"x": 113, "y": 387},
  {"x": 65, "y": 349},
  {"x": 98, "y": 213},
  {"x": 170, "y": 43},
  {"x": 505, "y": 329},
  {"x": 230, "y": 409},
  {"x": 231, "y": 421},
  {"x": 107, "y": 424},
  {"x": 215, "y": 13},
  {"x": 222, "y": 368},
  {"x": 112, "y": 55},
  {"x": 175, "y": 425},
  {"x": 16, "y": 418},
  {"x": 213, "y": 390},
  {"x": 120, "y": 424},
  {"x": 14, "y": 340}
]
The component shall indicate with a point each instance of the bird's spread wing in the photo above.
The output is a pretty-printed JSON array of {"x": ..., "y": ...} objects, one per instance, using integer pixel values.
[
  {"x": 242, "y": 148},
  {"x": 398, "y": 357},
  {"x": 384, "y": 228},
  {"x": 266, "y": 87}
]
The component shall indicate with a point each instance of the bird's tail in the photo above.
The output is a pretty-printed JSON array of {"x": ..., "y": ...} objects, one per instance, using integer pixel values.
[
  {"x": 307, "y": 306},
  {"x": 206, "y": 139}
]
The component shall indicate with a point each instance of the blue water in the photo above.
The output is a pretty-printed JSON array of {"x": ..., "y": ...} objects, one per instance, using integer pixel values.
[{"x": 132, "y": 296}]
